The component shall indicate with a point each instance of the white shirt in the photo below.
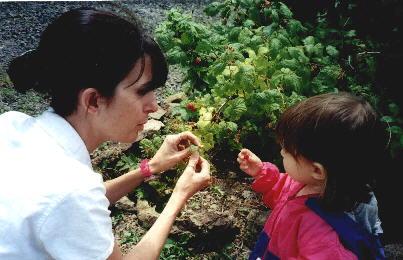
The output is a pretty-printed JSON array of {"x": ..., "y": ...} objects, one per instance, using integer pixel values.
[{"x": 52, "y": 203}]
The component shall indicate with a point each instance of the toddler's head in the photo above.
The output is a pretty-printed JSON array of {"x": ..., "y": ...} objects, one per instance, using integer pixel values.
[{"x": 342, "y": 133}]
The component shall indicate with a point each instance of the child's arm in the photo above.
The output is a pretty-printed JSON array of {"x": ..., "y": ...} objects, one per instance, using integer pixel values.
[{"x": 268, "y": 179}]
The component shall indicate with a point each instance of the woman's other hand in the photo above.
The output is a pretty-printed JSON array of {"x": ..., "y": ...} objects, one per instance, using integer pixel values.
[
  {"x": 195, "y": 177},
  {"x": 249, "y": 162},
  {"x": 174, "y": 149}
]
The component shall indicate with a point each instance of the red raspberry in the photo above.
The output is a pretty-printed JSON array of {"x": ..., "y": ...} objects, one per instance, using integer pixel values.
[
  {"x": 197, "y": 61},
  {"x": 191, "y": 107}
]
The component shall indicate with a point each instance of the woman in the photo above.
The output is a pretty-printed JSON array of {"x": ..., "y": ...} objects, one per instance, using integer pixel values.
[{"x": 100, "y": 71}]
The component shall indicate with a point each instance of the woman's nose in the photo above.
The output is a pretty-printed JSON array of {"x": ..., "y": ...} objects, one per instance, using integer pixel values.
[{"x": 152, "y": 105}]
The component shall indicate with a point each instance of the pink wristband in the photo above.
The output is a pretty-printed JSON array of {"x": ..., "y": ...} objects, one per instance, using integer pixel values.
[{"x": 145, "y": 168}]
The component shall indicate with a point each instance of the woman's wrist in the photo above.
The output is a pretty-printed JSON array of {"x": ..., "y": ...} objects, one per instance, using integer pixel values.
[
  {"x": 177, "y": 201},
  {"x": 154, "y": 166}
]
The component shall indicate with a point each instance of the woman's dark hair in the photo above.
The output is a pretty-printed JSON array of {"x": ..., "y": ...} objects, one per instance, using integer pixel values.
[
  {"x": 344, "y": 134},
  {"x": 85, "y": 48}
]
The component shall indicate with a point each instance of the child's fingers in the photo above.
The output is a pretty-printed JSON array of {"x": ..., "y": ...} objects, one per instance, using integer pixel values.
[
  {"x": 244, "y": 167},
  {"x": 241, "y": 160},
  {"x": 244, "y": 151}
]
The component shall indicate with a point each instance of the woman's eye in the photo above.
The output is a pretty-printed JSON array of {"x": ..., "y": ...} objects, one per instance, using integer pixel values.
[{"x": 141, "y": 92}]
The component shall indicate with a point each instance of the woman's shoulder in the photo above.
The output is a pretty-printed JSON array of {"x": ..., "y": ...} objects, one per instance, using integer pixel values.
[{"x": 12, "y": 117}]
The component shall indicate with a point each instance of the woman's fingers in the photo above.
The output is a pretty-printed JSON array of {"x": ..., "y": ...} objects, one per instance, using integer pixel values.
[
  {"x": 187, "y": 137},
  {"x": 193, "y": 160},
  {"x": 204, "y": 173}
]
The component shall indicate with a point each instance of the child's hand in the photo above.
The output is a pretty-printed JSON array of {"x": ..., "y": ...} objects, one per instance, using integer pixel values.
[{"x": 249, "y": 162}]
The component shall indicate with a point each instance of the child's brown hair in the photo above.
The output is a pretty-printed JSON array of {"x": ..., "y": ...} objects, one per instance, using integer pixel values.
[{"x": 343, "y": 133}]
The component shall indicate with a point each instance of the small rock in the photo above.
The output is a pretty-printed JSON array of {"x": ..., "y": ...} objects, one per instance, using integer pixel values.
[
  {"x": 158, "y": 114},
  {"x": 125, "y": 204},
  {"x": 175, "y": 98},
  {"x": 151, "y": 125},
  {"x": 247, "y": 194},
  {"x": 146, "y": 214}
]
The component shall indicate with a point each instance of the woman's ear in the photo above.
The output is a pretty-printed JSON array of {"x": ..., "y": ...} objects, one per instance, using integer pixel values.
[
  {"x": 319, "y": 172},
  {"x": 89, "y": 99}
]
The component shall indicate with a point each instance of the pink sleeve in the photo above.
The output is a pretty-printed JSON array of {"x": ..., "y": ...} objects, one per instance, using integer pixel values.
[
  {"x": 318, "y": 240},
  {"x": 271, "y": 183}
]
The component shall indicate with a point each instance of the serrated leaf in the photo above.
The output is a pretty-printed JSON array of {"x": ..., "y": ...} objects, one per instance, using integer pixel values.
[
  {"x": 213, "y": 8},
  {"x": 249, "y": 23},
  {"x": 394, "y": 109},
  {"x": 285, "y": 11},
  {"x": 245, "y": 36},
  {"x": 310, "y": 40},
  {"x": 186, "y": 38},
  {"x": 298, "y": 54},
  {"x": 275, "y": 45},
  {"x": 332, "y": 51},
  {"x": 245, "y": 76},
  {"x": 395, "y": 130},
  {"x": 235, "y": 109},
  {"x": 176, "y": 55},
  {"x": 350, "y": 34},
  {"x": 388, "y": 119}
]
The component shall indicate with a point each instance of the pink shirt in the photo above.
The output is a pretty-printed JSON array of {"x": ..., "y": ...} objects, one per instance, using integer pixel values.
[{"x": 294, "y": 231}]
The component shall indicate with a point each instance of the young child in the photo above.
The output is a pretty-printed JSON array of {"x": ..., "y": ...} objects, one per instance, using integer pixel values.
[{"x": 323, "y": 206}]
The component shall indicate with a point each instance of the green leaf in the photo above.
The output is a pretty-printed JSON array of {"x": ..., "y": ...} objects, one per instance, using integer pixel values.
[
  {"x": 204, "y": 46},
  {"x": 245, "y": 77},
  {"x": 245, "y": 36},
  {"x": 298, "y": 54},
  {"x": 234, "y": 33},
  {"x": 246, "y": 3},
  {"x": 318, "y": 49},
  {"x": 235, "y": 109},
  {"x": 275, "y": 46},
  {"x": 332, "y": 51},
  {"x": 186, "y": 38},
  {"x": 350, "y": 34},
  {"x": 261, "y": 64},
  {"x": 213, "y": 8},
  {"x": 249, "y": 23},
  {"x": 394, "y": 109},
  {"x": 310, "y": 40},
  {"x": 295, "y": 27},
  {"x": 176, "y": 55},
  {"x": 274, "y": 15},
  {"x": 395, "y": 130},
  {"x": 285, "y": 11},
  {"x": 388, "y": 119}
]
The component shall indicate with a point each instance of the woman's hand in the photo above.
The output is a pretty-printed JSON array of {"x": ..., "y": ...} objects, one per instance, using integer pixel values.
[
  {"x": 195, "y": 177},
  {"x": 174, "y": 149},
  {"x": 249, "y": 162}
]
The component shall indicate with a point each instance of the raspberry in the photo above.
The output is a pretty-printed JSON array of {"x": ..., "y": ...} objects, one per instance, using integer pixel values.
[
  {"x": 197, "y": 61},
  {"x": 191, "y": 107}
]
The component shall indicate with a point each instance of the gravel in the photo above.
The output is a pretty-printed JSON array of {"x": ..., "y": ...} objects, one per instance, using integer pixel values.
[{"x": 21, "y": 23}]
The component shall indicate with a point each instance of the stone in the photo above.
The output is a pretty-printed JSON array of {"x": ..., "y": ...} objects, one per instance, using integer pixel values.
[
  {"x": 125, "y": 204},
  {"x": 146, "y": 214},
  {"x": 151, "y": 126},
  {"x": 158, "y": 114},
  {"x": 175, "y": 98}
]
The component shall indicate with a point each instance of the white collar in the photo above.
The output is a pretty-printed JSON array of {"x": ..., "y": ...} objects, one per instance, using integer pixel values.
[{"x": 65, "y": 136}]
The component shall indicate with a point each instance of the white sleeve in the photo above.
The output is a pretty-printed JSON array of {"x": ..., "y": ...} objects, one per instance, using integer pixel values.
[{"x": 79, "y": 226}]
